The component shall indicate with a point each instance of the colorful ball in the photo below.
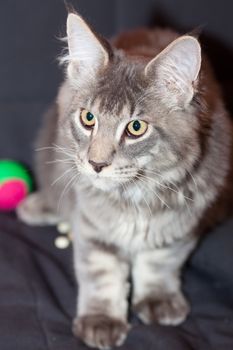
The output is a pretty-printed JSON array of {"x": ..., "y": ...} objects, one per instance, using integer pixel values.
[{"x": 15, "y": 184}]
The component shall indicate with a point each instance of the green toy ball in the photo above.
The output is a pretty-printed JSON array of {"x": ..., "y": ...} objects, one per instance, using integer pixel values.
[{"x": 15, "y": 184}]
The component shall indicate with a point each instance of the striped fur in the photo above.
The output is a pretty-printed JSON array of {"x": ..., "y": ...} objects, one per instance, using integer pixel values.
[{"x": 142, "y": 215}]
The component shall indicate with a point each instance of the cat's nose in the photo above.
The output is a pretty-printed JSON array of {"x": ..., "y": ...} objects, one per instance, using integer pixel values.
[{"x": 98, "y": 166}]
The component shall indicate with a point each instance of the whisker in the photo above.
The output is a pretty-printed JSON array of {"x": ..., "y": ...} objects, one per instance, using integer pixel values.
[
  {"x": 133, "y": 201},
  {"x": 61, "y": 176},
  {"x": 159, "y": 175},
  {"x": 193, "y": 179},
  {"x": 173, "y": 190},
  {"x": 67, "y": 187},
  {"x": 171, "y": 182},
  {"x": 147, "y": 204},
  {"x": 65, "y": 161},
  {"x": 126, "y": 197},
  {"x": 165, "y": 186},
  {"x": 57, "y": 149},
  {"x": 156, "y": 194},
  {"x": 63, "y": 150}
]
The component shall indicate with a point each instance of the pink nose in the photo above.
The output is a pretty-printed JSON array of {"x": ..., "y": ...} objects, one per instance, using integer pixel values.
[{"x": 98, "y": 166}]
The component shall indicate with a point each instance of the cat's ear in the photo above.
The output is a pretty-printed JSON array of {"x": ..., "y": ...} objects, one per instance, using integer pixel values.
[
  {"x": 87, "y": 53},
  {"x": 175, "y": 70}
]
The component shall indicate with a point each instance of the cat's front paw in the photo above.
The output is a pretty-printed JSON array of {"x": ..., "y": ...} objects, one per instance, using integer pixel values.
[
  {"x": 168, "y": 310},
  {"x": 100, "y": 331}
]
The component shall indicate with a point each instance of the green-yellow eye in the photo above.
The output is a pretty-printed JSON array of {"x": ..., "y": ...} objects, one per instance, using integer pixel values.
[
  {"x": 87, "y": 118},
  {"x": 136, "y": 128}
]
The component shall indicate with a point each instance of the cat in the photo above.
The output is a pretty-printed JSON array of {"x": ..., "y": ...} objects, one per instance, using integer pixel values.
[{"x": 138, "y": 149}]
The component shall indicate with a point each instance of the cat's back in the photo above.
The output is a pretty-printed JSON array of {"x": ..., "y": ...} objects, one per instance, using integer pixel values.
[{"x": 143, "y": 42}]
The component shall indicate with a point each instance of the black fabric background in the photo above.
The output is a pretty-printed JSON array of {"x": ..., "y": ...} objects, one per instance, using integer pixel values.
[{"x": 37, "y": 286}]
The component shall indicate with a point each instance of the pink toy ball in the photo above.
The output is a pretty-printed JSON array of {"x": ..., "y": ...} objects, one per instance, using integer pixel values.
[{"x": 15, "y": 184}]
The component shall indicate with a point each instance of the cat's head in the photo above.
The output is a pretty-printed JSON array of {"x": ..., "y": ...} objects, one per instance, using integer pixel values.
[{"x": 131, "y": 118}]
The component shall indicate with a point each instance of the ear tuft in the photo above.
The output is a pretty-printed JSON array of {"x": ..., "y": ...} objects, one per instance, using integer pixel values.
[
  {"x": 175, "y": 70},
  {"x": 86, "y": 53}
]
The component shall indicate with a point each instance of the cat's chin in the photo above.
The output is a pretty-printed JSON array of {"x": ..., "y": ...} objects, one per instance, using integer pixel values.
[{"x": 105, "y": 184}]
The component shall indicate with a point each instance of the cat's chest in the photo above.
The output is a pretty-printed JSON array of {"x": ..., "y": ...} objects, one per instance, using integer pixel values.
[{"x": 130, "y": 228}]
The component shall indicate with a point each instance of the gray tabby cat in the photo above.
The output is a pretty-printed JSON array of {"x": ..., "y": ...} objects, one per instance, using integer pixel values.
[{"x": 139, "y": 146}]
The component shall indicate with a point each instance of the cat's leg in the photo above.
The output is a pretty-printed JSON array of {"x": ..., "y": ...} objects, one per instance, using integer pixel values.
[
  {"x": 157, "y": 295},
  {"x": 36, "y": 210},
  {"x": 102, "y": 309}
]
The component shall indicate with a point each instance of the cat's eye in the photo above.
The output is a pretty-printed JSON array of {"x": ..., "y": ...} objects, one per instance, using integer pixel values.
[
  {"x": 87, "y": 119},
  {"x": 136, "y": 128}
]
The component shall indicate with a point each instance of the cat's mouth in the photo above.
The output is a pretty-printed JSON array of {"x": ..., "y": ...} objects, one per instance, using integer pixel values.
[
  {"x": 110, "y": 178},
  {"x": 112, "y": 182},
  {"x": 105, "y": 183}
]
